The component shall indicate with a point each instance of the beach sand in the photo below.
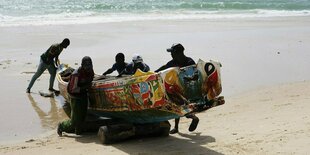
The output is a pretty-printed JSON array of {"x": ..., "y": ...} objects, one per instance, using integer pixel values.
[
  {"x": 269, "y": 120},
  {"x": 265, "y": 77}
]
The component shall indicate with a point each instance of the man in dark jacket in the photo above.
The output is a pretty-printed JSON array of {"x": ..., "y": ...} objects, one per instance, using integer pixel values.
[
  {"x": 137, "y": 63},
  {"x": 180, "y": 60},
  {"x": 119, "y": 64},
  {"x": 49, "y": 60},
  {"x": 79, "y": 83}
]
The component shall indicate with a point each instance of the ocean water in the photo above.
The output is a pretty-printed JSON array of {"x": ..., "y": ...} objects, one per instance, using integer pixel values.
[{"x": 53, "y": 12}]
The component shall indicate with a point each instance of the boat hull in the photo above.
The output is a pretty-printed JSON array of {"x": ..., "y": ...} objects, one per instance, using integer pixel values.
[{"x": 154, "y": 97}]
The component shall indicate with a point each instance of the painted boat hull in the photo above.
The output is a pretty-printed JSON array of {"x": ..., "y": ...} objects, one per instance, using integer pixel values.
[{"x": 154, "y": 97}]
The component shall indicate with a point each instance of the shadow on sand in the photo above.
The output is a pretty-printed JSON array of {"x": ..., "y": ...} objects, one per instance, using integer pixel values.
[
  {"x": 185, "y": 144},
  {"x": 49, "y": 119},
  {"x": 193, "y": 143}
]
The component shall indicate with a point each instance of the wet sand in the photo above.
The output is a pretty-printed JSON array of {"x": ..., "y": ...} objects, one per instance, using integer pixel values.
[{"x": 254, "y": 53}]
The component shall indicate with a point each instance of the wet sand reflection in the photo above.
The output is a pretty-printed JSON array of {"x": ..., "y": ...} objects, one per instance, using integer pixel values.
[{"x": 51, "y": 118}]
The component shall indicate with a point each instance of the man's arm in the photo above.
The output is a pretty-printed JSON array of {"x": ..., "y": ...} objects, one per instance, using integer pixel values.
[
  {"x": 57, "y": 62},
  {"x": 109, "y": 71},
  {"x": 167, "y": 65},
  {"x": 53, "y": 54},
  {"x": 161, "y": 68},
  {"x": 147, "y": 68}
]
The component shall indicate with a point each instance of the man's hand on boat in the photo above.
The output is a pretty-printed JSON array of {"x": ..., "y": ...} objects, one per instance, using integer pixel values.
[
  {"x": 210, "y": 104},
  {"x": 99, "y": 77}
]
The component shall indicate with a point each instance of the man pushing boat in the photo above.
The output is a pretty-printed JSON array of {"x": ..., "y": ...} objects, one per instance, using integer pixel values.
[
  {"x": 137, "y": 63},
  {"x": 119, "y": 64},
  {"x": 79, "y": 83},
  {"x": 49, "y": 61},
  {"x": 180, "y": 60}
]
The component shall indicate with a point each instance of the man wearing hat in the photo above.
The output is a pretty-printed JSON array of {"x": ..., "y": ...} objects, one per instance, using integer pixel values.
[
  {"x": 180, "y": 60},
  {"x": 137, "y": 63}
]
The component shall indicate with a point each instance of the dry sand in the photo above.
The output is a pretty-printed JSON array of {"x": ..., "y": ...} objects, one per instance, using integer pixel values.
[
  {"x": 269, "y": 120},
  {"x": 265, "y": 81}
]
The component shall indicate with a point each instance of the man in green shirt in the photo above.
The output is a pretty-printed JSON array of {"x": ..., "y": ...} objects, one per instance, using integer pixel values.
[{"x": 49, "y": 61}]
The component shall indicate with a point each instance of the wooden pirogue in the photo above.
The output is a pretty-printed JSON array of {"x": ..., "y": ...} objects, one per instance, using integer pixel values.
[{"x": 148, "y": 97}]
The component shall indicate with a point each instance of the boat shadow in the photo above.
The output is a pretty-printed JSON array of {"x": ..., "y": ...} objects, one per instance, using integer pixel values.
[
  {"x": 194, "y": 143},
  {"x": 180, "y": 143}
]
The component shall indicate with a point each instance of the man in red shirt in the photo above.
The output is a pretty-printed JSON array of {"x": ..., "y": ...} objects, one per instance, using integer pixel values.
[{"x": 79, "y": 83}]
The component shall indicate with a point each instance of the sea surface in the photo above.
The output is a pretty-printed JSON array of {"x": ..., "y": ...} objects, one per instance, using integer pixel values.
[{"x": 56, "y": 12}]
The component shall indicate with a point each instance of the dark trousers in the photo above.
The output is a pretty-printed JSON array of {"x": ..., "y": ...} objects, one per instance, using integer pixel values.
[
  {"x": 78, "y": 115},
  {"x": 41, "y": 68}
]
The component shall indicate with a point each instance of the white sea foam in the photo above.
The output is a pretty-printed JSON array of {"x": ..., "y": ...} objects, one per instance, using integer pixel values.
[{"x": 92, "y": 17}]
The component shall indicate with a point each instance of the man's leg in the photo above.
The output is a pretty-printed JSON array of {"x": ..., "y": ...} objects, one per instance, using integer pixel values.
[
  {"x": 194, "y": 123},
  {"x": 41, "y": 68},
  {"x": 68, "y": 125},
  {"x": 52, "y": 70},
  {"x": 81, "y": 112},
  {"x": 65, "y": 126},
  {"x": 176, "y": 126}
]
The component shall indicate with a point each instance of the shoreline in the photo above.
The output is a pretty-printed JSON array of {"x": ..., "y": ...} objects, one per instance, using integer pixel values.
[
  {"x": 271, "y": 19},
  {"x": 150, "y": 18}
]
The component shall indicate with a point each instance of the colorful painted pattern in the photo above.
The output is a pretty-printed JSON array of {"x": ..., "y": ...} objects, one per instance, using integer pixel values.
[
  {"x": 174, "y": 87},
  {"x": 169, "y": 94}
]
